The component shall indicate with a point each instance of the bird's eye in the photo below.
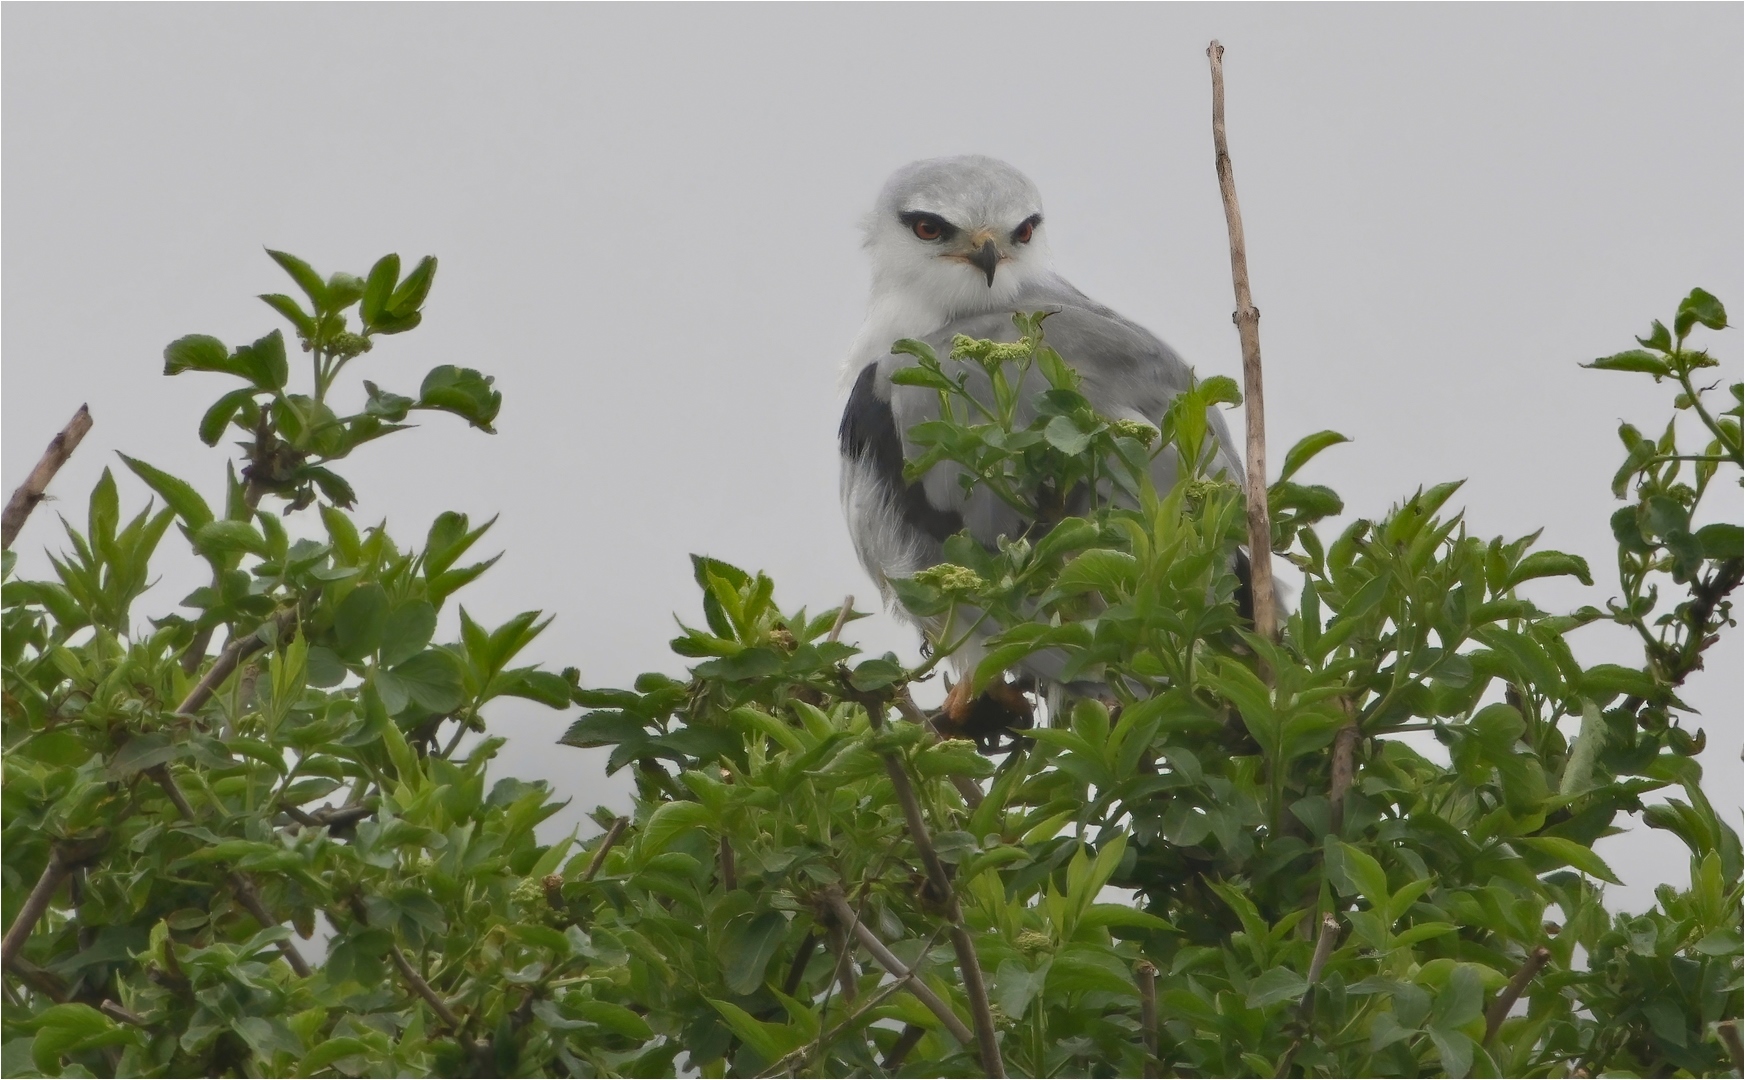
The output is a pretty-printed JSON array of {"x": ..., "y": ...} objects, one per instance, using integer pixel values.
[
  {"x": 1027, "y": 229},
  {"x": 927, "y": 226}
]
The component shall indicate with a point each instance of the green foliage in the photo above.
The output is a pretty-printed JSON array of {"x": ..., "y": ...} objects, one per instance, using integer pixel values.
[{"x": 1243, "y": 837}]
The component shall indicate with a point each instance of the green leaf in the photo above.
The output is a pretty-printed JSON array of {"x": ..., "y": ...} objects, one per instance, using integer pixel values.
[
  {"x": 143, "y": 752},
  {"x": 1220, "y": 390},
  {"x": 287, "y": 307},
  {"x": 1700, "y": 306},
  {"x": 1722, "y": 540},
  {"x": 1278, "y": 984},
  {"x": 614, "y": 1018},
  {"x": 766, "y": 1039},
  {"x": 409, "y": 296},
  {"x": 361, "y": 621},
  {"x": 407, "y": 631},
  {"x": 1366, "y": 874},
  {"x": 221, "y": 539},
  {"x": 263, "y": 362},
  {"x": 1569, "y": 853},
  {"x": 747, "y": 945},
  {"x": 667, "y": 822},
  {"x": 178, "y": 494},
  {"x": 1306, "y": 448},
  {"x": 377, "y": 288},
  {"x": 1633, "y": 360},
  {"x": 432, "y": 679},
  {"x": 1064, "y": 435},
  {"x": 343, "y": 290},
  {"x": 1578, "y": 770},
  {"x": 1550, "y": 564},
  {"x": 305, "y": 277},
  {"x": 461, "y": 391},
  {"x": 198, "y": 352},
  {"x": 218, "y": 417},
  {"x": 1101, "y": 569}
]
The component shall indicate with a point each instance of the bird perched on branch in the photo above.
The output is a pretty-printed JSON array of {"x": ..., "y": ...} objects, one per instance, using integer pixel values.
[{"x": 959, "y": 245}]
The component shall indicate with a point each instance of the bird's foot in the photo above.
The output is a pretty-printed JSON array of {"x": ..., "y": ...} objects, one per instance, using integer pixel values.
[{"x": 1000, "y": 708}]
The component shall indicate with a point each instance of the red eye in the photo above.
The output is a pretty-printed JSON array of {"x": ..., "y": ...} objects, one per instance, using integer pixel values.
[
  {"x": 1023, "y": 232},
  {"x": 927, "y": 229}
]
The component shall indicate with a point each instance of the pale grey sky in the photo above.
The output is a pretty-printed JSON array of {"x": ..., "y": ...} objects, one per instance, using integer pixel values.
[{"x": 647, "y": 221}]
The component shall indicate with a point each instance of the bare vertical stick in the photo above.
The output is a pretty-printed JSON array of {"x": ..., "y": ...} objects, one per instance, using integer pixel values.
[
  {"x": 31, "y": 492},
  {"x": 1147, "y": 972},
  {"x": 1247, "y": 319}
]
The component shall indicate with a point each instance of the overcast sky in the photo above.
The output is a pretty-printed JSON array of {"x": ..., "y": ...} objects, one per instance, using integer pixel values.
[{"x": 647, "y": 221}]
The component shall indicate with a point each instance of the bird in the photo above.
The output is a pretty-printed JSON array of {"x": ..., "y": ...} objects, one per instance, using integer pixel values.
[{"x": 958, "y": 245}]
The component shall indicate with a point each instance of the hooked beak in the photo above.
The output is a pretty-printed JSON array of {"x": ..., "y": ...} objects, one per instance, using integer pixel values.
[{"x": 987, "y": 258}]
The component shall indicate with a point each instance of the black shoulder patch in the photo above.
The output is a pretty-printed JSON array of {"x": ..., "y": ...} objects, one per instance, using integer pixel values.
[
  {"x": 869, "y": 433},
  {"x": 1244, "y": 587}
]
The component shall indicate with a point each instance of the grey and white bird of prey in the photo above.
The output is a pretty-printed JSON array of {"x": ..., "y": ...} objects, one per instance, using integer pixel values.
[{"x": 958, "y": 245}]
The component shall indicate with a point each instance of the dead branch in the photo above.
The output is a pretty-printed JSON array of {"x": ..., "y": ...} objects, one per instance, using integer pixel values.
[
  {"x": 1499, "y": 1010},
  {"x": 35, "y": 486},
  {"x": 888, "y": 960},
  {"x": 1247, "y": 319}
]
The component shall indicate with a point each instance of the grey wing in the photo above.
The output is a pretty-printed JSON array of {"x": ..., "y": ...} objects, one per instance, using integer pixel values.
[{"x": 1126, "y": 373}]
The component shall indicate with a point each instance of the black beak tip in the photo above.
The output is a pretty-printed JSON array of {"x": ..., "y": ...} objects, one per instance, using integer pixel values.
[{"x": 988, "y": 260}]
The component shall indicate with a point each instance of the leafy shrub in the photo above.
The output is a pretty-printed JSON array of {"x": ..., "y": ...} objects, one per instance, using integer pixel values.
[{"x": 811, "y": 880}]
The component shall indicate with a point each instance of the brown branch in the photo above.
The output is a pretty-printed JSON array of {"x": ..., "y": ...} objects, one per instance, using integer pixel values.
[
  {"x": 1343, "y": 770},
  {"x": 43, "y": 982},
  {"x": 888, "y": 960},
  {"x": 1247, "y": 319},
  {"x": 423, "y": 990},
  {"x": 843, "y": 973},
  {"x": 1728, "y": 1032},
  {"x": 911, "y": 1036},
  {"x": 798, "y": 1057},
  {"x": 1147, "y": 972},
  {"x": 729, "y": 873},
  {"x": 606, "y": 843},
  {"x": 1499, "y": 1010},
  {"x": 234, "y": 653},
  {"x": 115, "y": 1012},
  {"x": 35, "y": 486},
  {"x": 969, "y": 964},
  {"x": 802, "y": 957},
  {"x": 240, "y": 883},
  {"x": 64, "y": 857}
]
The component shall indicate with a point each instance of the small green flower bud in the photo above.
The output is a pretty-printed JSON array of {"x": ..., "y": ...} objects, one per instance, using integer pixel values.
[
  {"x": 1137, "y": 430},
  {"x": 951, "y": 578}
]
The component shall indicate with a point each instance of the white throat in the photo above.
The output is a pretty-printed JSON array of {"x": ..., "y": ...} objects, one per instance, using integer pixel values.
[{"x": 914, "y": 301}]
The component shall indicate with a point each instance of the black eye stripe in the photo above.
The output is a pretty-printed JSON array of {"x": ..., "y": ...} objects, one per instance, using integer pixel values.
[
  {"x": 1025, "y": 227},
  {"x": 912, "y": 218}
]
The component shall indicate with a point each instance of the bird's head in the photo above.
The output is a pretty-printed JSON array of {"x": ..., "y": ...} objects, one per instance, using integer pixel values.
[{"x": 961, "y": 234}]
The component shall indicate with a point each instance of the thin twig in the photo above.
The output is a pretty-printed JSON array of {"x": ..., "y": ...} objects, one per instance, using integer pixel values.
[
  {"x": 729, "y": 874},
  {"x": 240, "y": 883},
  {"x": 1324, "y": 942},
  {"x": 1499, "y": 1010},
  {"x": 797, "y": 968},
  {"x": 1247, "y": 319},
  {"x": 117, "y": 1013},
  {"x": 841, "y": 618},
  {"x": 423, "y": 990},
  {"x": 799, "y": 1057},
  {"x": 888, "y": 960},
  {"x": 969, "y": 964},
  {"x": 1147, "y": 972},
  {"x": 35, "y": 486},
  {"x": 606, "y": 842},
  {"x": 234, "y": 653}
]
